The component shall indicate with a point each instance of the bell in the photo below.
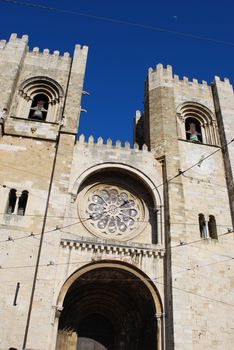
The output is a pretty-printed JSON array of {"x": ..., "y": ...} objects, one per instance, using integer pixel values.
[
  {"x": 38, "y": 114},
  {"x": 38, "y": 110}
]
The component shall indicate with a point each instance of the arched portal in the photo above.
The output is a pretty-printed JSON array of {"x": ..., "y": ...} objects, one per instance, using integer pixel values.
[{"x": 108, "y": 308}]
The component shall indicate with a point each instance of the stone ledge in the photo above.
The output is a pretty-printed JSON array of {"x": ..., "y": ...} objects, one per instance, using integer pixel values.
[
  {"x": 113, "y": 247},
  {"x": 33, "y": 120},
  {"x": 198, "y": 143}
]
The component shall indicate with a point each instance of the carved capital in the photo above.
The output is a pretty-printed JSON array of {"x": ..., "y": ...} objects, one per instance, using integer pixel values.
[
  {"x": 58, "y": 310},
  {"x": 181, "y": 117}
]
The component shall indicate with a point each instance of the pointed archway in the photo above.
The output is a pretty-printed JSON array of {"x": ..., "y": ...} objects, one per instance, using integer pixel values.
[{"x": 109, "y": 308}]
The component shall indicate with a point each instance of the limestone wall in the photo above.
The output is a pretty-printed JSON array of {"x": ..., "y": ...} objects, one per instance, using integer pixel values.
[
  {"x": 68, "y": 245},
  {"x": 198, "y": 275},
  {"x": 27, "y": 153},
  {"x": 25, "y": 165},
  {"x": 95, "y": 157}
]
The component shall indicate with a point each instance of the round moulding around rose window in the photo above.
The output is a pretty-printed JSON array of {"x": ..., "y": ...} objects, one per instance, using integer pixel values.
[{"x": 112, "y": 212}]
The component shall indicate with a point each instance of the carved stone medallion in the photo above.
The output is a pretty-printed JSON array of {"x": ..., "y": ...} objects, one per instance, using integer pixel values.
[{"x": 113, "y": 212}]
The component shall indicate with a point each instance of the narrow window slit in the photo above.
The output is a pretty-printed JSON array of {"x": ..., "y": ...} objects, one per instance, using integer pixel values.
[
  {"x": 11, "y": 201},
  {"x": 212, "y": 227},
  {"x": 22, "y": 203},
  {"x": 202, "y": 226}
]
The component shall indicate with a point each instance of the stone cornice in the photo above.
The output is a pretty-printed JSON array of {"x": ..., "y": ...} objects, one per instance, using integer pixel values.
[{"x": 137, "y": 249}]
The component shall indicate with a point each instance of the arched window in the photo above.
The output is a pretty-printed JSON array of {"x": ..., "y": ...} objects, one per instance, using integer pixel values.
[
  {"x": 211, "y": 232},
  {"x": 17, "y": 202},
  {"x": 39, "y": 108},
  {"x": 202, "y": 226},
  {"x": 11, "y": 201},
  {"x": 22, "y": 203},
  {"x": 212, "y": 227},
  {"x": 196, "y": 123},
  {"x": 39, "y": 98}
]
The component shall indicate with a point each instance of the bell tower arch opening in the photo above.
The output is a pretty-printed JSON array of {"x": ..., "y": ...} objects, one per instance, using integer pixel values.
[{"x": 108, "y": 308}]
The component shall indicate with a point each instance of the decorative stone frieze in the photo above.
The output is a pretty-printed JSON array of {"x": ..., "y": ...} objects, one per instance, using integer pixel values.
[{"x": 83, "y": 244}]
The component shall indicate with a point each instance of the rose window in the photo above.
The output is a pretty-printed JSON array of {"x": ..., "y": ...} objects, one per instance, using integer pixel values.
[{"x": 113, "y": 211}]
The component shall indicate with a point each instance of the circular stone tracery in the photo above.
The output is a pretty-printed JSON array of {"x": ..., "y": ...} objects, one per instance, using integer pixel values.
[{"x": 113, "y": 211}]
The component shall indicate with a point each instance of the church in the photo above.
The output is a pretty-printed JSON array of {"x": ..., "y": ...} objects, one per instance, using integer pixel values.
[{"x": 104, "y": 245}]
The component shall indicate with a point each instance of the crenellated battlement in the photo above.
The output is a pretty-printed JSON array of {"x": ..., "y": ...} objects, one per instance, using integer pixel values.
[
  {"x": 14, "y": 38},
  {"x": 16, "y": 41},
  {"x": 2, "y": 44},
  {"x": 160, "y": 73},
  {"x": 109, "y": 144},
  {"x": 55, "y": 59},
  {"x": 55, "y": 55},
  {"x": 189, "y": 83},
  {"x": 164, "y": 76},
  {"x": 225, "y": 81}
]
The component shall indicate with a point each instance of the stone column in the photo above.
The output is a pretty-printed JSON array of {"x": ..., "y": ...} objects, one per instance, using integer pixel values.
[
  {"x": 18, "y": 194},
  {"x": 159, "y": 317},
  {"x": 67, "y": 340}
]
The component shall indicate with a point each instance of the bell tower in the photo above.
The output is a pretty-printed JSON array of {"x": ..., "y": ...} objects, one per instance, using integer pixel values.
[
  {"x": 188, "y": 125},
  {"x": 40, "y": 90},
  {"x": 40, "y": 104}
]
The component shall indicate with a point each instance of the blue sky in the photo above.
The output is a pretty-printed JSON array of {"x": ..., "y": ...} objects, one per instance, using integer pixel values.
[{"x": 120, "y": 54}]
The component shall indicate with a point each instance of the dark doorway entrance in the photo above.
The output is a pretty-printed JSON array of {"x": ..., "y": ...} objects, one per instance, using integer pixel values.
[
  {"x": 98, "y": 328},
  {"x": 112, "y": 309}
]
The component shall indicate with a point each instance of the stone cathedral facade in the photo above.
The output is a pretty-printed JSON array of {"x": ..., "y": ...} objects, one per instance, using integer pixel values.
[{"x": 108, "y": 246}]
